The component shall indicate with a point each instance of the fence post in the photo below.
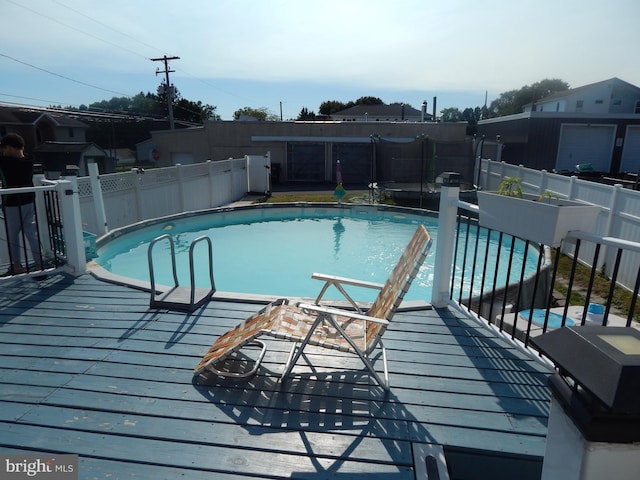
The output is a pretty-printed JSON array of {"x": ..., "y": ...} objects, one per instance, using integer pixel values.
[
  {"x": 137, "y": 186},
  {"x": 606, "y": 253},
  {"x": 67, "y": 190},
  {"x": 447, "y": 218},
  {"x": 98, "y": 200},
  {"x": 544, "y": 181}
]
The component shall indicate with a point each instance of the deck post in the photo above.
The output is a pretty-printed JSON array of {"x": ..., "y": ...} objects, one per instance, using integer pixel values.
[
  {"x": 447, "y": 217},
  {"x": 67, "y": 189}
]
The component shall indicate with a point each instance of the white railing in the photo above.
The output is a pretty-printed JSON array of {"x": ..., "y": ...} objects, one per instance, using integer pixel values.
[
  {"x": 619, "y": 218},
  {"x": 58, "y": 224},
  {"x": 506, "y": 318},
  {"x": 140, "y": 195}
]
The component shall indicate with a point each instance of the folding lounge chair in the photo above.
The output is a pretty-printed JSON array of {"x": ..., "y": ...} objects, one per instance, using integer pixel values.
[{"x": 334, "y": 328}]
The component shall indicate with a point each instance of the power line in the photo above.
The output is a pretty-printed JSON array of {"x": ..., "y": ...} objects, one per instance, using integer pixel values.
[
  {"x": 74, "y": 28},
  {"x": 61, "y": 76},
  {"x": 103, "y": 40},
  {"x": 106, "y": 26}
]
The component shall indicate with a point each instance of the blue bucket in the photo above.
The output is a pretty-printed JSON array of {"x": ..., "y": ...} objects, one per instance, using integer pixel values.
[{"x": 555, "y": 319}]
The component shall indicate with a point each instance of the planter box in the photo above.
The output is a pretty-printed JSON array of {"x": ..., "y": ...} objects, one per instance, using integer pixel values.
[{"x": 546, "y": 222}]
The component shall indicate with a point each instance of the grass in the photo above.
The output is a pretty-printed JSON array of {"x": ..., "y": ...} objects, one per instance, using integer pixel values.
[
  {"x": 326, "y": 197},
  {"x": 620, "y": 299}
]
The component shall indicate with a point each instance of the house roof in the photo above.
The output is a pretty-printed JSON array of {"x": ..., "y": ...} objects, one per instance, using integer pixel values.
[
  {"x": 65, "y": 147},
  {"x": 380, "y": 110},
  {"x": 28, "y": 116},
  {"x": 590, "y": 86}
]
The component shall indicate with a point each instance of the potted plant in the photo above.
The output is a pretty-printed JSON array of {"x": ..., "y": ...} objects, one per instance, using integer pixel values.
[{"x": 544, "y": 219}]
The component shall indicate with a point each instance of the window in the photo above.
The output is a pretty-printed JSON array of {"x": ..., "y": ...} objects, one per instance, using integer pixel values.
[
  {"x": 579, "y": 105},
  {"x": 599, "y": 102},
  {"x": 637, "y": 109}
]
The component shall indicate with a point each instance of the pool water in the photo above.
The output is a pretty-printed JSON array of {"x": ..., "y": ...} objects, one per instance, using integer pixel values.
[{"x": 274, "y": 252}]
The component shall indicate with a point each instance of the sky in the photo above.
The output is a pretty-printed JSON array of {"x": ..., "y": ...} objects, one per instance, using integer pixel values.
[{"x": 285, "y": 55}]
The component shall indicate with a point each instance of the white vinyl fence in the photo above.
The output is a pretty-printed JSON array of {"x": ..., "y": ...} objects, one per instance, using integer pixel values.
[
  {"x": 619, "y": 218},
  {"x": 139, "y": 194}
]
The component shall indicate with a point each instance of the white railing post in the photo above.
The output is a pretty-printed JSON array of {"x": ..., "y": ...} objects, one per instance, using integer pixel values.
[
  {"x": 67, "y": 190},
  {"x": 98, "y": 200},
  {"x": 181, "y": 193},
  {"x": 447, "y": 219},
  {"x": 210, "y": 183},
  {"x": 136, "y": 181}
]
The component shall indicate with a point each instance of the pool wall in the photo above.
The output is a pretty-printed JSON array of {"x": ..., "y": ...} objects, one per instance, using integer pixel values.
[
  {"x": 237, "y": 215},
  {"x": 489, "y": 304}
]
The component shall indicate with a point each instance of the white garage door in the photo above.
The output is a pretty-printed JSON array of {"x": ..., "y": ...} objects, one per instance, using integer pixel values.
[
  {"x": 586, "y": 144},
  {"x": 631, "y": 150}
]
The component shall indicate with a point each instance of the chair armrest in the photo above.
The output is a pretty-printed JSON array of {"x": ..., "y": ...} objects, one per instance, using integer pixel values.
[
  {"x": 338, "y": 282},
  {"x": 346, "y": 281},
  {"x": 339, "y": 311}
]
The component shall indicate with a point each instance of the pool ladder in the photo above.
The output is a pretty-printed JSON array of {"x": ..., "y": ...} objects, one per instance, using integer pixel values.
[{"x": 177, "y": 297}]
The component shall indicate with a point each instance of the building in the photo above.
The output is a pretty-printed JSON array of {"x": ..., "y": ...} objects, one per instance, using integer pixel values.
[
  {"x": 594, "y": 127},
  {"x": 57, "y": 157},
  {"x": 396, "y": 112},
  {"x": 309, "y": 151},
  {"x": 39, "y": 126}
]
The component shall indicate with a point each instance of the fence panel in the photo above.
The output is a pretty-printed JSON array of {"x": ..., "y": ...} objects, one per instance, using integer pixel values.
[
  {"x": 620, "y": 217},
  {"x": 139, "y": 194}
]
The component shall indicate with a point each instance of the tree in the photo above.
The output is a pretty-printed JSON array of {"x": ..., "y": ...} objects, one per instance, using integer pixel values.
[
  {"x": 261, "y": 113},
  {"x": 450, "y": 115},
  {"x": 331, "y": 106},
  {"x": 513, "y": 101},
  {"x": 155, "y": 105},
  {"x": 368, "y": 101},
  {"x": 306, "y": 114}
]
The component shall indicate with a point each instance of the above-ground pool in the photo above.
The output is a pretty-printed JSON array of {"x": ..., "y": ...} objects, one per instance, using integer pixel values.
[{"x": 273, "y": 250}]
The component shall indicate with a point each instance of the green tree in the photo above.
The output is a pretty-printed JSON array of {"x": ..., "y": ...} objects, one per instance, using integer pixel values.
[
  {"x": 514, "y": 101},
  {"x": 451, "y": 115},
  {"x": 261, "y": 113},
  {"x": 306, "y": 114},
  {"x": 368, "y": 101},
  {"x": 155, "y": 105},
  {"x": 332, "y": 106}
]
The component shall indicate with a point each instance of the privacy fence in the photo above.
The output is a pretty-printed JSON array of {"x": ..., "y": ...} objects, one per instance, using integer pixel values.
[{"x": 619, "y": 217}]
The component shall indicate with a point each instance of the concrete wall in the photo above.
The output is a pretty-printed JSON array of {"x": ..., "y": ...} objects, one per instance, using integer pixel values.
[{"x": 221, "y": 140}]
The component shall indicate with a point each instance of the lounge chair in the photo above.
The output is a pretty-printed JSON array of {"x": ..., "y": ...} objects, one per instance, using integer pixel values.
[{"x": 340, "y": 329}]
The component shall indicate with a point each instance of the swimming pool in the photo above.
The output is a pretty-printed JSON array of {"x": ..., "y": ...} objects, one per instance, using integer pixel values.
[{"x": 273, "y": 250}]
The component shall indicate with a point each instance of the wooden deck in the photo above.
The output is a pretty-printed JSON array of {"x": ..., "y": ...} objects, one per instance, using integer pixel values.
[{"x": 87, "y": 368}]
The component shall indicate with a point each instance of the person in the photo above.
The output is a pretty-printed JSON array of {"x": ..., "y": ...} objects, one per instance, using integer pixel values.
[{"x": 16, "y": 171}]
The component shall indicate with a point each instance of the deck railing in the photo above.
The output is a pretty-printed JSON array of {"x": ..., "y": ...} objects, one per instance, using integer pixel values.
[
  {"x": 59, "y": 234},
  {"x": 619, "y": 207},
  {"x": 557, "y": 292}
]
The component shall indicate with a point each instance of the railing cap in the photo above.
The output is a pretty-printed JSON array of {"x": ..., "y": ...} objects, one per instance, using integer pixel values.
[{"x": 451, "y": 179}]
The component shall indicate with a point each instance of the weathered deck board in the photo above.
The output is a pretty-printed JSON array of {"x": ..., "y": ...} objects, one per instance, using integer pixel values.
[{"x": 86, "y": 368}]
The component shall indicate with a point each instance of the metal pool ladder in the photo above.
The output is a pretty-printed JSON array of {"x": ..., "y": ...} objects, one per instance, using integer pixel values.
[{"x": 177, "y": 297}]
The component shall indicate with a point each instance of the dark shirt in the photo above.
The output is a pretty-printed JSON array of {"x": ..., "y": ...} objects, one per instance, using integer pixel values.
[{"x": 16, "y": 173}]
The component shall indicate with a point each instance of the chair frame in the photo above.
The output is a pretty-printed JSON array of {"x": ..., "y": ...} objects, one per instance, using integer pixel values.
[{"x": 387, "y": 302}]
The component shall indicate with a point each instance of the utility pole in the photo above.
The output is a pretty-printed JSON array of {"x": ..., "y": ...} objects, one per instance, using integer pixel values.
[{"x": 169, "y": 92}]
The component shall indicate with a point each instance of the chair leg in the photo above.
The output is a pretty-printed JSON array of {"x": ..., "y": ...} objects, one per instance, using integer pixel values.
[
  {"x": 211, "y": 367},
  {"x": 384, "y": 383},
  {"x": 298, "y": 348}
]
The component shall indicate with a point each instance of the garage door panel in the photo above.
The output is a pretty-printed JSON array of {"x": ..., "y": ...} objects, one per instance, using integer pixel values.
[
  {"x": 586, "y": 144},
  {"x": 631, "y": 150}
]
